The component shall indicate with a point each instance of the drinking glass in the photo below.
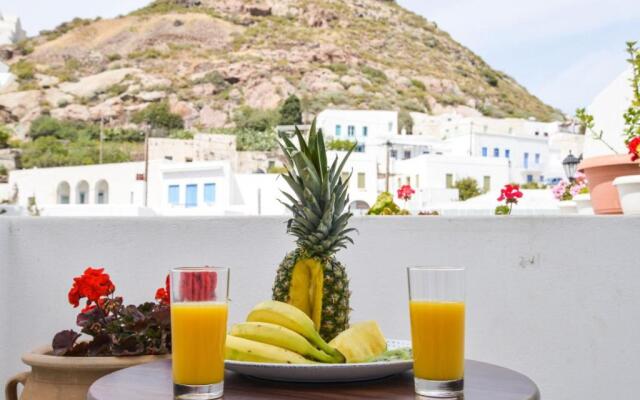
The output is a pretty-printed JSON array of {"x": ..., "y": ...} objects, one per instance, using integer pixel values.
[
  {"x": 437, "y": 308},
  {"x": 199, "y": 299}
]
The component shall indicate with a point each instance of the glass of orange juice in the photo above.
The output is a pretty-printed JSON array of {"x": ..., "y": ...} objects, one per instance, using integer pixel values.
[
  {"x": 437, "y": 308},
  {"x": 198, "y": 330}
]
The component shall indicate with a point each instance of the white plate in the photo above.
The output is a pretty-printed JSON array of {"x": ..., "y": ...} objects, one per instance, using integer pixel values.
[{"x": 324, "y": 372}]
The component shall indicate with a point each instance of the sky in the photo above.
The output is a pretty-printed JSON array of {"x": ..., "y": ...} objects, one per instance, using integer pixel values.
[{"x": 563, "y": 51}]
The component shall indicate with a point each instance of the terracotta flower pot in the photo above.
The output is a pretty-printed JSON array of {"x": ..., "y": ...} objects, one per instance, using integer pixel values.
[
  {"x": 65, "y": 378},
  {"x": 601, "y": 171}
]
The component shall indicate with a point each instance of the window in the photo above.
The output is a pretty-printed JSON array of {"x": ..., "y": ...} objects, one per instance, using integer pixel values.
[
  {"x": 510, "y": 130},
  {"x": 486, "y": 184},
  {"x": 191, "y": 198},
  {"x": 351, "y": 131},
  {"x": 486, "y": 128},
  {"x": 496, "y": 152},
  {"x": 449, "y": 181},
  {"x": 271, "y": 164},
  {"x": 546, "y": 134},
  {"x": 361, "y": 180},
  {"x": 407, "y": 154},
  {"x": 485, "y": 152},
  {"x": 537, "y": 133},
  {"x": 526, "y": 160},
  {"x": 359, "y": 148},
  {"x": 188, "y": 159},
  {"x": 529, "y": 178},
  {"x": 541, "y": 178},
  {"x": 174, "y": 195},
  {"x": 209, "y": 193},
  {"x": 394, "y": 154},
  {"x": 409, "y": 180},
  {"x": 417, "y": 181},
  {"x": 168, "y": 158},
  {"x": 344, "y": 176},
  {"x": 338, "y": 130},
  {"x": 507, "y": 153},
  {"x": 390, "y": 126},
  {"x": 365, "y": 131},
  {"x": 537, "y": 158}
]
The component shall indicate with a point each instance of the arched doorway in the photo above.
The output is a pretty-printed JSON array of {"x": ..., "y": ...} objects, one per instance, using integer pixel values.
[
  {"x": 359, "y": 207},
  {"x": 102, "y": 192},
  {"x": 63, "y": 193},
  {"x": 82, "y": 192}
]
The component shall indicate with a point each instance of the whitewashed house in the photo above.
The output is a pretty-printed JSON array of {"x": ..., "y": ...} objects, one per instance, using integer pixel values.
[
  {"x": 357, "y": 125},
  {"x": 11, "y": 29}
]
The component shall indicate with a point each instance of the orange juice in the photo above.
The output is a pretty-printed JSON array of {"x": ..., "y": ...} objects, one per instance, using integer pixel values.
[
  {"x": 198, "y": 332},
  {"x": 437, "y": 332}
]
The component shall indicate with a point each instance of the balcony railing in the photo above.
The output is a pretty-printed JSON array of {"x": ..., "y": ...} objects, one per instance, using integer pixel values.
[{"x": 553, "y": 297}]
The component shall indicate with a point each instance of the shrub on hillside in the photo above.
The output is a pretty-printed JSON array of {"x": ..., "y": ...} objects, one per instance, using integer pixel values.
[
  {"x": 5, "y": 137},
  {"x": 250, "y": 140},
  {"x": 247, "y": 118},
  {"x": 24, "y": 70},
  {"x": 159, "y": 116}
]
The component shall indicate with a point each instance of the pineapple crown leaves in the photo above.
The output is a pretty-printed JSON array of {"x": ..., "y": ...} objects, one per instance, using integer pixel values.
[{"x": 320, "y": 195}]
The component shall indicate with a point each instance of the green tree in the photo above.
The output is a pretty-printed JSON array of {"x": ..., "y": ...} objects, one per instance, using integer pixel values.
[
  {"x": 68, "y": 130},
  {"x": 251, "y": 140},
  {"x": 405, "y": 121},
  {"x": 291, "y": 111},
  {"x": 467, "y": 188},
  {"x": 158, "y": 116},
  {"x": 340, "y": 145},
  {"x": 44, "y": 152}
]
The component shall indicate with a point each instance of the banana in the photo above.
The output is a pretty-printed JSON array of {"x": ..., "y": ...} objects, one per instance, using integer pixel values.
[
  {"x": 240, "y": 349},
  {"x": 288, "y": 316},
  {"x": 280, "y": 336}
]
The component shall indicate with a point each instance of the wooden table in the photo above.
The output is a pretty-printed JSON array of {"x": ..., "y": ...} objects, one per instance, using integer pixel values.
[{"x": 153, "y": 382}]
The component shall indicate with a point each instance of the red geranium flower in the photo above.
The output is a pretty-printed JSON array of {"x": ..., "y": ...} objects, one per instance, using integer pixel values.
[
  {"x": 92, "y": 285},
  {"x": 163, "y": 295},
  {"x": 634, "y": 148},
  {"x": 405, "y": 192},
  {"x": 510, "y": 193}
]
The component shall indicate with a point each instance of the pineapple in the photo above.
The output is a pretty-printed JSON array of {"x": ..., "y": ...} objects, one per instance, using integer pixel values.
[{"x": 310, "y": 277}]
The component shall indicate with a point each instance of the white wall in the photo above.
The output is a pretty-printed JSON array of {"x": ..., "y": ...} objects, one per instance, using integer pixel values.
[{"x": 554, "y": 298}]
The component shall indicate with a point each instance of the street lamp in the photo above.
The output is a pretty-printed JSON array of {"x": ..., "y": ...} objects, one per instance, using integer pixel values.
[{"x": 570, "y": 164}]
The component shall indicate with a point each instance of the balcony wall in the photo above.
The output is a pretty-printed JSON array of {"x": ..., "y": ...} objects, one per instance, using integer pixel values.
[{"x": 555, "y": 298}]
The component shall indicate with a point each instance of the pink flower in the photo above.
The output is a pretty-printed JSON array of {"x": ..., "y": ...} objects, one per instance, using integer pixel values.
[{"x": 405, "y": 192}]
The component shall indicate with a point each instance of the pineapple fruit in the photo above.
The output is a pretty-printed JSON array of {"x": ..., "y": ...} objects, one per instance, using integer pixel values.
[
  {"x": 360, "y": 343},
  {"x": 310, "y": 277}
]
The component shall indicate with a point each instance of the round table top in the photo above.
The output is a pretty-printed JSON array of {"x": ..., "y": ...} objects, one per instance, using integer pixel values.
[{"x": 153, "y": 381}]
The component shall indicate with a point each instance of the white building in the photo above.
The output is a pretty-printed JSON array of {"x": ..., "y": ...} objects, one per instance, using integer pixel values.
[
  {"x": 357, "y": 125},
  {"x": 11, "y": 29},
  {"x": 198, "y": 188}
]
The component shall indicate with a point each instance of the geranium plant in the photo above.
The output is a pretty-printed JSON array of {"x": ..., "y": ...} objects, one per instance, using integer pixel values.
[
  {"x": 631, "y": 115},
  {"x": 405, "y": 193},
  {"x": 116, "y": 329},
  {"x": 566, "y": 190},
  {"x": 510, "y": 195}
]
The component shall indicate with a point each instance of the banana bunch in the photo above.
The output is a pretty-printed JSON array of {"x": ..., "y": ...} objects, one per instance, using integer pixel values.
[{"x": 277, "y": 332}]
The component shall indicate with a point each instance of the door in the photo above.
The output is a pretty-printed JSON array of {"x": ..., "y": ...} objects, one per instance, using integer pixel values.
[{"x": 191, "y": 199}]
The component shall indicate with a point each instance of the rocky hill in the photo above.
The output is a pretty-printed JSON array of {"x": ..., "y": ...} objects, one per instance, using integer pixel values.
[{"x": 208, "y": 58}]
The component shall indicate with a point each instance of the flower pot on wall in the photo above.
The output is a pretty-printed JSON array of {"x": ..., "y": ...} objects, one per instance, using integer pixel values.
[
  {"x": 583, "y": 204},
  {"x": 601, "y": 171},
  {"x": 629, "y": 191},
  {"x": 567, "y": 207},
  {"x": 65, "y": 378}
]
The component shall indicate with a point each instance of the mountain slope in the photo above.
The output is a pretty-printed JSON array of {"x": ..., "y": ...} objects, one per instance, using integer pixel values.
[{"x": 209, "y": 57}]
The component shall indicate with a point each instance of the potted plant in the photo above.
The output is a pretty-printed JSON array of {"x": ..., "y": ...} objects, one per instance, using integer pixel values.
[
  {"x": 573, "y": 195},
  {"x": 629, "y": 186},
  {"x": 602, "y": 170},
  {"x": 121, "y": 336},
  {"x": 510, "y": 195}
]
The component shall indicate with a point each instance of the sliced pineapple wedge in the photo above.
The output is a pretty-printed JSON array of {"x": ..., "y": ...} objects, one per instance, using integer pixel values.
[{"x": 361, "y": 342}]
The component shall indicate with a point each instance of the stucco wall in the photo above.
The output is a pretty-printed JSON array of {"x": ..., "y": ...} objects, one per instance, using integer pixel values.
[{"x": 555, "y": 298}]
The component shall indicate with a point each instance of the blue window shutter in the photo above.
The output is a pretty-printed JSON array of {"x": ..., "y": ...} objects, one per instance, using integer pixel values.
[
  {"x": 496, "y": 152},
  {"x": 174, "y": 194},
  {"x": 191, "y": 199},
  {"x": 209, "y": 193},
  {"x": 338, "y": 130},
  {"x": 485, "y": 152}
]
